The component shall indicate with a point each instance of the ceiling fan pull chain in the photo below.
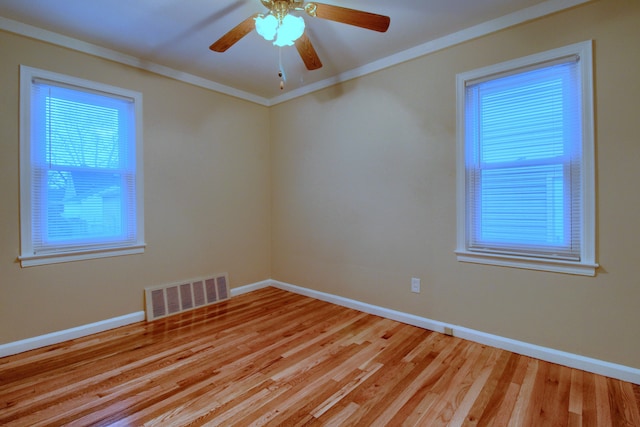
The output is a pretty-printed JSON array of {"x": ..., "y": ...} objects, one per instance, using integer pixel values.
[{"x": 281, "y": 74}]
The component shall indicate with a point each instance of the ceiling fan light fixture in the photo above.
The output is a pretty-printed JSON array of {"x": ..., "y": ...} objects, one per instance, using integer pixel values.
[
  {"x": 289, "y": 30},
  {"x": 267, "y": 26},
  {"x": 283, "y": 33}
]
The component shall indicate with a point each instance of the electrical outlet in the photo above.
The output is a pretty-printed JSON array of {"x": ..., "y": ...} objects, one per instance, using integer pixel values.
[{"x": 415, "y": 285}]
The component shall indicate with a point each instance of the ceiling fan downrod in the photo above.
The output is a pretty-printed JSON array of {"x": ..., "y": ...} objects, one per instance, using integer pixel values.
[{"x": 280, "y": 10}]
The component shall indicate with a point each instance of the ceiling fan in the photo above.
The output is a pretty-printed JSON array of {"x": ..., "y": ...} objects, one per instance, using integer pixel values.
[{"x": 286, "y": 29}]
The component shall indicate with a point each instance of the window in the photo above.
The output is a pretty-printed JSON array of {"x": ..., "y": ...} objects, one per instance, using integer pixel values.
[
  {"x": 525, "y": 163},
  {"x": 81, "y": 169}
]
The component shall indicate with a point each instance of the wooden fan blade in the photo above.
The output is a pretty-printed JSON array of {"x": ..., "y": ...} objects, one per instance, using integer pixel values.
[
  {"x": 359, "y": 18},
  {"x": 308, "y": 53},
  {"x": 236, "y": 33}
]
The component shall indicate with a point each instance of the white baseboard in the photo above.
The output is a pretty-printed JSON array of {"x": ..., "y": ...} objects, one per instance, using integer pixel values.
[
  {"x": 250, "y": 287},
  {"x": 69, "y": 334},
  {"x": 596, "y": 366},
  {"x": 58, "y": 337}
]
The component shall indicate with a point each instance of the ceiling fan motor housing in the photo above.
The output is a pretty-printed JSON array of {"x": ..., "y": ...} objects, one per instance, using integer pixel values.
[{"x": 283, "y": 6}]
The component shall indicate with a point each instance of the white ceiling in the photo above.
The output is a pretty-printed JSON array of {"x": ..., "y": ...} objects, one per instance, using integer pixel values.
[{"x": 176, "y": 34}]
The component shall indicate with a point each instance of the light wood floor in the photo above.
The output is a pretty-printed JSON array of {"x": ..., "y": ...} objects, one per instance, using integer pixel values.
[{"x": 275, "y": 358}]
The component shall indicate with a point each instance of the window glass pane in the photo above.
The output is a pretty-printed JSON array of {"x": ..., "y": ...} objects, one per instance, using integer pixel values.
[
  {"x": 83, "y": 205},
  {"x": 82, "y": 134},
  {"x": 522, "y": 117},
  {"x": 523, "y": 206},
  {"x": 522, "y": 134},
  {"x": 84, "y": 176},
  {"x": 525, "y": 175}
]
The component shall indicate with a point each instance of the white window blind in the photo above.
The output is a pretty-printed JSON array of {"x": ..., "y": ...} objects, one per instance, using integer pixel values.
[
  {"x": 82, "y": 170},
  {"x": 524, "y": 136}
]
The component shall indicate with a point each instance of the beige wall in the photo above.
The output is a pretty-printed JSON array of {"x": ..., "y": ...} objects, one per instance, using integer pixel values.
[
  {"x": 353, "y": 193},
  {"x": 364, "y": 194},
  {"x": 207, "y": 197}
]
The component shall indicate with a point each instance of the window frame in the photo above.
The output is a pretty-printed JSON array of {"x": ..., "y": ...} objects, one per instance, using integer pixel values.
[
  {"x": 586, "y": 265},
  {"x": 108, "y": 249}
]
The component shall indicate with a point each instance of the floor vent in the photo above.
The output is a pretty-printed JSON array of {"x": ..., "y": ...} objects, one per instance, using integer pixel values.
[{"x": 165, "y": 300}]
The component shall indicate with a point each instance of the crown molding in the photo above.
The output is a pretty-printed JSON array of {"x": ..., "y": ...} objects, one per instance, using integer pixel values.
[
  {"x": 113, "y": 55},
  {"x": 480, "y": 30},
  {"x": 462, "y": 36}
]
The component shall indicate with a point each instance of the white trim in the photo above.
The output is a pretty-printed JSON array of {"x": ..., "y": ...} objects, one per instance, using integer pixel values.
[
  {"x": 462, "y": 36},
  {"x": 55, "y": 258},
  {"x": 432, "y": 325},
  {"x": 102, "y": 52},
  {"x": 58, "y": 337},
  {"x": 587, "y": 265},
  {"x": 596, "y": 366},
  {"x": 69, "y": 334},
  {"x": 27, "y": 257},
  {"x": 494, "y": 25},
  {"x": 554, "y": 266},
  {"x": 250, "y": 287}
]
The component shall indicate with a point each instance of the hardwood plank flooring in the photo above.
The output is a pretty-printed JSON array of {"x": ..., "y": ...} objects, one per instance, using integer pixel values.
[{"x": 271, "y": 358}]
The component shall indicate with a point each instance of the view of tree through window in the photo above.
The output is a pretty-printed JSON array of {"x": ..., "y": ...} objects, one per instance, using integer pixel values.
[
  {"x": 83, "y": 167},
  {"x": 81, "y": 157},
  {"x": 81, "y": 183}
]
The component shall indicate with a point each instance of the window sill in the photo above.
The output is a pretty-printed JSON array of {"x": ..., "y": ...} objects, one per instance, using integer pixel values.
[
  {"x": 556, "y": 266},
  {"x": 59, "y": 257}
]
